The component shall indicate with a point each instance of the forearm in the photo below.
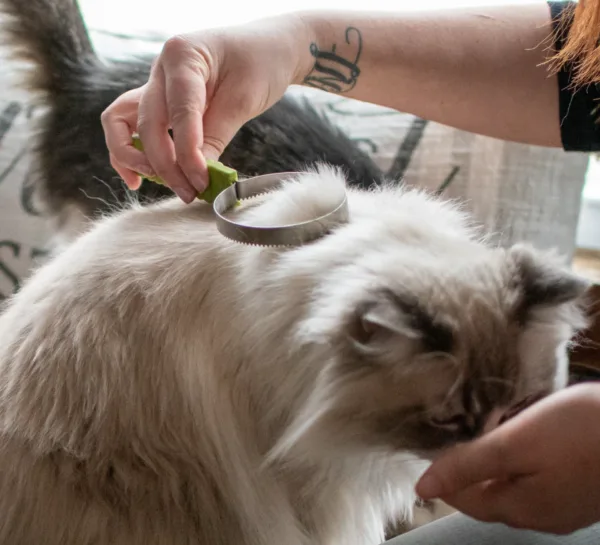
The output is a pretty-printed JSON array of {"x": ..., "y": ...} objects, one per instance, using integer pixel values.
[{"x": 477, "y": 69}]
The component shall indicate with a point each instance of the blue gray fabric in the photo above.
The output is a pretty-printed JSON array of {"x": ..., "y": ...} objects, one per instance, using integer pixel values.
[{"x": 461, "y": 530}]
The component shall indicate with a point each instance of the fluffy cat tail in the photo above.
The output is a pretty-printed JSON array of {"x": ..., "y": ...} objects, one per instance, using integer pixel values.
[{"x": 51, "y": 36}]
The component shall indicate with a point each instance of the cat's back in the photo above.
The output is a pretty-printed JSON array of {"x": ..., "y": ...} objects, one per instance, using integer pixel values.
[
  {"x": 100, "y": 394},
  {"x": 105, "y": 316},
  {"x": 126, "y": 364},
  {"x": 140, "y": 249}
]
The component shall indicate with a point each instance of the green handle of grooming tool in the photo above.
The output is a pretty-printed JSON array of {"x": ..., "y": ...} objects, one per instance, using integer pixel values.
[{"x": 220, "y": 176}]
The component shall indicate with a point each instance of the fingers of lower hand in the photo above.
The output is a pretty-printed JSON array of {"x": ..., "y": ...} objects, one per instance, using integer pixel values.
[
  {"x": 524, "y": 503},
  {"x": 496, "y": 502},
  {"x": 185, "y": 98},
  {"x": 466, "y": 465}
]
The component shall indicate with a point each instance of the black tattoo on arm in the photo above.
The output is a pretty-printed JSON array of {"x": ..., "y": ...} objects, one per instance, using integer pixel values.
[{"x": 331, "y": 71}]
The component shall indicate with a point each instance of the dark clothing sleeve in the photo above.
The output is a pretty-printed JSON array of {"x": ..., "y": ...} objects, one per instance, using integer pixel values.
[{"x": 579, "y": 126}]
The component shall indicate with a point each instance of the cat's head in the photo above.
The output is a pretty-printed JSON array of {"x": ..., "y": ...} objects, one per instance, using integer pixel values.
[{"x": 420, "y": 354}]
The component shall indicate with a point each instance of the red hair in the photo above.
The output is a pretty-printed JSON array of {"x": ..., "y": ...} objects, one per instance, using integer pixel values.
[{"x": 582, "y": 45}]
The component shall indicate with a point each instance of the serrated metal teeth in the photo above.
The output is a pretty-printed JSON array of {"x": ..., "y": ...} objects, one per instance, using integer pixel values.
[{"x": 256, "y": 245}]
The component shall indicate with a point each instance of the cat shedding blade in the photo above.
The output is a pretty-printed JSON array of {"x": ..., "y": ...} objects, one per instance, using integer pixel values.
[
  {"x": 225, "y": 192},
  {"x": 294, "y": 234}
]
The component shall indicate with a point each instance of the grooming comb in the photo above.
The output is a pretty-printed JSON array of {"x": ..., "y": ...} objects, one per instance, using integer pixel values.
[{"x": 225, "y": 192}]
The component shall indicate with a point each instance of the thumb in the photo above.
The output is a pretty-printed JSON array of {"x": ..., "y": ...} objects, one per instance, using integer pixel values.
[{"x": 487, "y": 458}]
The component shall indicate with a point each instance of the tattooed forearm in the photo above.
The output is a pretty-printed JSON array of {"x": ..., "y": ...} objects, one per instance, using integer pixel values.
[{"x": 336, "y": 71}]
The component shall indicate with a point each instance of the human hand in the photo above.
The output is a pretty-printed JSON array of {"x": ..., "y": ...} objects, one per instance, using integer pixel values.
[
  {"x": 539, "y": 471},
  {"x": 204, "y": 86}
]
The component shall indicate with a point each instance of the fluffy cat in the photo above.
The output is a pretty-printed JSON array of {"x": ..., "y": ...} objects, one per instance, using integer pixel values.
[
  {"x": 163, "y": 385},
  {"x": 74, "y": 179}
]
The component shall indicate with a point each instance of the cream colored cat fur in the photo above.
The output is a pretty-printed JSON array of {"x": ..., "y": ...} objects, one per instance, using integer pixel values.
[{"x": 161, "y": 385}]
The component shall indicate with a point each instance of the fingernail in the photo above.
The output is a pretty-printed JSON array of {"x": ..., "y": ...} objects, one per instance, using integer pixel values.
[
  {"x": 199, "y": 183},
  {"x": 145, "y": 171},
  {"x": 429, "y": 487},
  {"x": 186, "y": 194}
]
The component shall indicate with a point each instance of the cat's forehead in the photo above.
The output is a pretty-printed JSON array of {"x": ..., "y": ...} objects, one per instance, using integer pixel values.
[
  {"x": 481, "y": 315},
  {"x": 476, "y": 284},
  {"x": 476, "y": 310}
]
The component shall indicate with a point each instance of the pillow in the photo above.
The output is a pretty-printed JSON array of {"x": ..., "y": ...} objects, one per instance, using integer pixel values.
[{"x": 23, "y": 231}]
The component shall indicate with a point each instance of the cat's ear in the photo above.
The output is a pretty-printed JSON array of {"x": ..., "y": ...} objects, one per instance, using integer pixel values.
[
  {"x": 543, "y": 279},
  {"x": 378, "y": 320},
  {"x": 389, "y": 315}
]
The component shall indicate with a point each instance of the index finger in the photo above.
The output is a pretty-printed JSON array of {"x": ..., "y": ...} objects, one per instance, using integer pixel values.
[
  {"x": 496, "y": 456},
  {"x": 496, "y": 501},
  {"x": 465, "y": 465},
  {"x": 185, "y": 86},
  {"x": 153, "y": 126}
]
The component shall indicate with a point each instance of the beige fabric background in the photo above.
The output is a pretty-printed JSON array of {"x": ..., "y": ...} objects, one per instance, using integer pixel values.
[{"x": 518, "y": 192}]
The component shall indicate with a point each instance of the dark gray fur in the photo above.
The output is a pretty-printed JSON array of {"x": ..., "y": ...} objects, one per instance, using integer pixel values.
[{"x": 77, "y": 86}]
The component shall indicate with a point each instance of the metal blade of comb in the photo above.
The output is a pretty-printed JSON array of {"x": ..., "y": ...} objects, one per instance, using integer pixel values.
[
  {"x": 283, "y": 235},
  {"x": 271, "y": 246},
  {"x": 226, "y": 190}
]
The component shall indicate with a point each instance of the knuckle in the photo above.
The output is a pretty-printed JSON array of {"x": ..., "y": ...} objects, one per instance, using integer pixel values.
[
  {"x": 106, "y": 116},
  {"x": 215, "y": 142},
  {"x": 144, "y": 126},
  {"x": 182, "y": 52},
  {"x": 175, "y": 46},
  {"x": 181, "y": 111}
]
